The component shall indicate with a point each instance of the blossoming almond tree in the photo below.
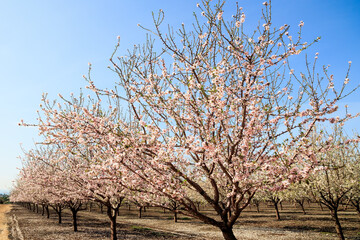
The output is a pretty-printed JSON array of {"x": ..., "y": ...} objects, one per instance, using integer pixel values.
[
  {"x": 221, "y": 107},
  {"x": 44, "y": 169},
  {"x": 298, "y": 193},
  {"x": 79, "y": 133},
  {"x": 338, "y": 175}
]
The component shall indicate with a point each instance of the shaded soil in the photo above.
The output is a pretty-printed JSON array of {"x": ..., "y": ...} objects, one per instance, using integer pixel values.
[{"x": 155, "y": 224}]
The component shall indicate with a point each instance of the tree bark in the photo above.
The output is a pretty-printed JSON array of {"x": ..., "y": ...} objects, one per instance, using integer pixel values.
[
  {"x": 356, "y": 204},
  {"x": 338, "y": 227},
  {"x": 228, "y": 233},
  {"x": 175, "y": 216},
  {"x": 112, "y": 214},
  {"x": 59, "y": 215},
  {"x": 140, "y": 209},
  {"x": 47, "y": 211},
  {"x": 175, "y": 206},
  {"x": 74, "y": 214},
  {"x": 101, "y": 208},
  {"x": 277, "y": 211},
  {"x": 301, "y": 203}
]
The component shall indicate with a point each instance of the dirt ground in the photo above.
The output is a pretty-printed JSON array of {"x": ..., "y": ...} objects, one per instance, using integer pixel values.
[
  {"x": 155, "y": 224},
  {"x": 4, "y": 209}
]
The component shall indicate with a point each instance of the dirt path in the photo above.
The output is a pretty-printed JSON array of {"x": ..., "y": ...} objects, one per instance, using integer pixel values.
[{"x": 4, "y": 208}]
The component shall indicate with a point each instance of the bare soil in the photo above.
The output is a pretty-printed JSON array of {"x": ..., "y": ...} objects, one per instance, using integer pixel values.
[{"x": 155, "y": 224}]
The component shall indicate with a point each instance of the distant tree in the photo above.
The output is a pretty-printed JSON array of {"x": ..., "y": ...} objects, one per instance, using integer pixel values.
[
  {"x": 4, "y": 198},
  {"x": 337, "y": 175}
]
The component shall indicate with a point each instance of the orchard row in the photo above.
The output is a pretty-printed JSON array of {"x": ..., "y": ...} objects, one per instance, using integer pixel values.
[{"x": 216, "y": 116}]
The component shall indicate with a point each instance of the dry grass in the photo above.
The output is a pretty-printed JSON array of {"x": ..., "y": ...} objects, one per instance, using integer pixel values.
[
  {"x": 4, "y": 209},
  {"x": 155, "y": 224}
]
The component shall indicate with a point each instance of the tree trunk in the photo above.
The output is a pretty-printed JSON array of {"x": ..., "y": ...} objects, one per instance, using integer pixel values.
[
  {"x": 140, "y": 209},
  {"x": 74, "y": 214},
  {"x": 228, "y": 233},
  {"x": 47, "y": 211},
  {"x": 175, "y": 216},
  {"x": 338, "y": 227},
  {"x": 43, "y": 210},
  {"x": 301, "y": 203},
  {"x": 277, "y": 210},
  {"x": 37, "y": 208},
  {"x": 112, "y": 214},
  {"x": 356, "y": 204},
  {"x": 59, "y": 215},
  {"x": 175, "y": 206},
  {"x": 257, "y": 207}
]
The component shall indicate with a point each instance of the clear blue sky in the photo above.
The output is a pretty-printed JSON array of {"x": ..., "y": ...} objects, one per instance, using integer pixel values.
[{"x": 45, "y": 46}]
